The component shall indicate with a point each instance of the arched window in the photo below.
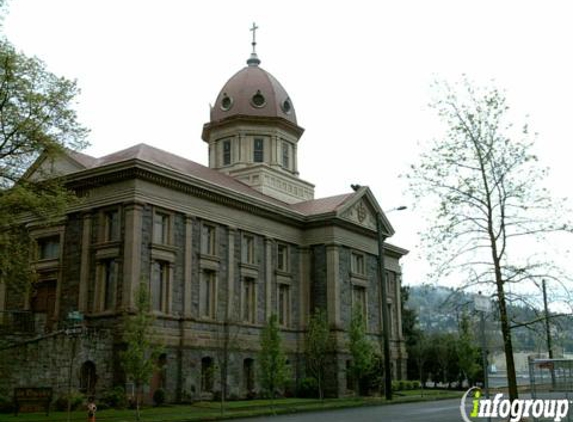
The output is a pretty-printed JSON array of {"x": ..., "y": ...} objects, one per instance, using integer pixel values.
[
  {"x": 249, "y": 374},
  {"x": 207, "y": 370},
  {"x": 88, "y": 378}
]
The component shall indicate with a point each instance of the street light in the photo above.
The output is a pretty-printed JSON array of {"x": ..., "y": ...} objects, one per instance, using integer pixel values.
[{"x": 384, "y": 293}]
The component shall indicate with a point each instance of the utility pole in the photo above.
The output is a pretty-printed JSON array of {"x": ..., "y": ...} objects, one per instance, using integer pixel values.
[
  {"x": 547, "y": 328},
  {"x": 384, "y": 310},
  {"x": 548, "y": 331}
]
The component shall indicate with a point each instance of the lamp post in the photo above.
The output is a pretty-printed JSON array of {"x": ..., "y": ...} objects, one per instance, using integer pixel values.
[{"x": 384, "y": 310}]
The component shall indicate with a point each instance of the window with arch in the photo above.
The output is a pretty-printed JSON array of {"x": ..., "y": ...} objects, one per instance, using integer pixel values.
[
  {"x": 88, "y": 378},
  {"x": 249, "y": 374},
  {"x": 258, "y": 150},
  {"x": 207, "y": 374},
  {"x": 227, "y": 152}
]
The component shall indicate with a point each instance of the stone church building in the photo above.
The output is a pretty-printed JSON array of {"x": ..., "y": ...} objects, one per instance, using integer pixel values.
[{"x": 222, "y": 248}]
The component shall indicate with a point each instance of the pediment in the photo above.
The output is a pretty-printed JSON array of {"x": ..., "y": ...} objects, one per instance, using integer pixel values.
[
  {"x": 363, "y": 211},
  {"x": 50, "y": 166}
]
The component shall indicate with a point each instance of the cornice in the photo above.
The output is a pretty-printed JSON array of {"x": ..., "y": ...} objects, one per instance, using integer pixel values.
[
  {"x": 258, "y": 120},
  {"x": 83, "y": 182},
  {"x": 142, "y": 170}
]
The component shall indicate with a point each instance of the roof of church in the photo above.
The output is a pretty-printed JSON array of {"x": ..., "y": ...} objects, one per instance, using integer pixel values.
[
  {"x": 184, "y": 166},
  {"x": 253, "y": 91},
  {"x": 322, "y": 205}
]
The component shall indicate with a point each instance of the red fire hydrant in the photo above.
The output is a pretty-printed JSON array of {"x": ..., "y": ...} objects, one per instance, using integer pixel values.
[{"x": 92, "y": 408}]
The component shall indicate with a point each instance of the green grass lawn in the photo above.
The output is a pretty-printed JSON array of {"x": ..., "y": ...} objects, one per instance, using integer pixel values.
[{"x": 212, "y": 410}]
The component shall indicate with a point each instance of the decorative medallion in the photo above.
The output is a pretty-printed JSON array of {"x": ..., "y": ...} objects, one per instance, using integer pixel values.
[{"x": 361, "y": 212}]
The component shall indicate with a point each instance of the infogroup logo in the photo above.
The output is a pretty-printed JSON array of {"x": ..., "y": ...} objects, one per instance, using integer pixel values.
[{"x": 503, "y": 408}]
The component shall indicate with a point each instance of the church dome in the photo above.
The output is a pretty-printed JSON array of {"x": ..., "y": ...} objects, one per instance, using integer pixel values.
[{"x": 253, "y": 91}]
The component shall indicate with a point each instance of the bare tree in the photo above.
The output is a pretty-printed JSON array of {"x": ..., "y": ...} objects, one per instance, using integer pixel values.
[{"x": 486, "y": 186}]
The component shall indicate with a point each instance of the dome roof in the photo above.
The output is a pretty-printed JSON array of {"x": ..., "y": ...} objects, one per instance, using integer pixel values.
[{"x": 252, "y": 91}]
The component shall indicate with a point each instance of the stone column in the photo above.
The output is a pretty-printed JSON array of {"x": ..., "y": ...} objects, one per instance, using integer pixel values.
[
  {"x": 268, "y": 277},
  {"x": 398, "y": 310},
  {"x": 2, "y": 300},
  {"x": 295, "y": 159},
  {"x": 188, "y": 267},
  {"x": 132, "y": 253},
  {"x": 304, "y": 287},
  {"x": 85, "y": 264},
  {"x": 231, "y": 274},
  {"x": 275, "y": 151},
  {"x": 333, "y": 285}
]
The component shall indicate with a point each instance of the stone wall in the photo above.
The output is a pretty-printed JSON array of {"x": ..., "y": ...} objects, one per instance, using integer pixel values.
[{"x": 45, "y": 362}]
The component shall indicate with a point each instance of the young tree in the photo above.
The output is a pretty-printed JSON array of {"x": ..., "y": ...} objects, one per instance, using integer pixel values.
[
  {"x": 318, "y": 346},
  {"x": 468, "y": 351},
  {"x": 139, "y": 359},
  {"x": 361, "y": 348},
  {"x": 273, "y": 369},
  {"x": 226, "y": 335},
  {"x": 484, "y": 180},
  {"x": 36, "y": 117}
]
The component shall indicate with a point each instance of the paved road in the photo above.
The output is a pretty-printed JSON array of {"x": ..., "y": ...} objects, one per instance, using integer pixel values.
[{"x": 438, "y": 411}]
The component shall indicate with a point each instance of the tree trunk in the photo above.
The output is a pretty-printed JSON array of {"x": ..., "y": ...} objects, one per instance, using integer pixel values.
[{"x": 506, "y": 332}]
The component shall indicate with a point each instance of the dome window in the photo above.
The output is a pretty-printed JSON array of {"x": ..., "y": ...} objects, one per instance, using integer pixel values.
[
  {"x": 258, "y": 100},
  {"x": 226, "y": 102},
  {"x": 286, "y": 106}
]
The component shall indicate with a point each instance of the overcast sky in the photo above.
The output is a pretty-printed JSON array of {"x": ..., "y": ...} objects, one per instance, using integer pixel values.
[{"x": 358, "y": 73}]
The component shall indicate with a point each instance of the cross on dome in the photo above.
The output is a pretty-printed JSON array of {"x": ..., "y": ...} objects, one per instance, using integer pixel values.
[{"x": 254, "y": 59}]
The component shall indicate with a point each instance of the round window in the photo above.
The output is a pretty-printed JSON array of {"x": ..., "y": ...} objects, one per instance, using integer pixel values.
[
  {"x": 226, "y": 102},
  {"x": 287, "y": 106},
  {"x": 258, "y": 99}
]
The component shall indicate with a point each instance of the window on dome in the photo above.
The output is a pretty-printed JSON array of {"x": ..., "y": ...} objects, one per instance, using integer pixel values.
[
  {"x": 226, "y": 102},
  {"x": 258, "y": 99},
  {"x": 226, "y": 152},
  {"x": 258, "y": 150},
  {"x": 286, "y": 106},
  {"x": 286, "y": 148}
]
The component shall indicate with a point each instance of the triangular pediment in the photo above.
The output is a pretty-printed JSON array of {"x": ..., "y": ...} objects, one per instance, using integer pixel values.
[
  {"x": 48, "y": 166},
  {"x": 363, "y": 210}
]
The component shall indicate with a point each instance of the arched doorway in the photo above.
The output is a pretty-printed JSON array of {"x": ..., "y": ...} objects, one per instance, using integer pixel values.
[
  {"x": 88, "y": 378},
  {"x": 159, "y": 379}
]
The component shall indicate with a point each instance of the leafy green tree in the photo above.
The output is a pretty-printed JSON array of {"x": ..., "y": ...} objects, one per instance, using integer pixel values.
[
  {"x": 361, "y": 348},
  {"x": 139, "y": 359},
  {"x": 318, "y": 347},
  {"x": 483, "y": 181},
  {"x": 273, "y": 372},
  {"x": 37, "y": 117},
  {"x": 468, "y": 351}
]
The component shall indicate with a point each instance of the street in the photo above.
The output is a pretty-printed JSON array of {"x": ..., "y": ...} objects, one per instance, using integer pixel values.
[{"x": 437, "y": 411}]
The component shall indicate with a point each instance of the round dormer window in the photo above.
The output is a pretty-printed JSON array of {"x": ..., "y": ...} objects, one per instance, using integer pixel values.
[
  {"x": 226, "y": 103},
  {"x": 258, "y": 100},
  {"x": 286, "y": 106}
]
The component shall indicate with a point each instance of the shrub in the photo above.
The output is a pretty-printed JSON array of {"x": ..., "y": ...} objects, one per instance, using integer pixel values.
[
  {"x": 6, "y": 404},
  {"x": 159, "y": 397},
  {"x": 114, "y": 398},
  {"x": 308, "y": 388},
  {"x": 415, "y": 385},
  {"x": 76, "y": 400}
]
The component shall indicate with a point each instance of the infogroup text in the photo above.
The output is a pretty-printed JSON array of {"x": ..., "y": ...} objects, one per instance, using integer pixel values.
[{"x": 498, "y": 407}]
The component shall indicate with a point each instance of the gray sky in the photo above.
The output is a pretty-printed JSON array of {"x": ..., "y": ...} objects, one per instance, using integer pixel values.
[{"x": 358, "y": 73}]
